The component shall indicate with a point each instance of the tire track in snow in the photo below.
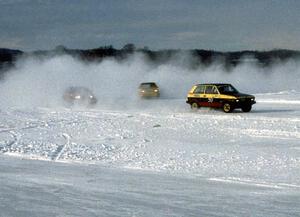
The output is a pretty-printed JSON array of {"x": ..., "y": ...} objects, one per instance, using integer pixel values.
[
  {"x": 36, "y": 125},
  {"x": 265, "y": 133},
  {"x": 41, "y": 124},
  {"x": 60, "y": 150},
  {"x": 254, "y": 183},
  {"x": 6, "y": 148},
  {"x": 22, "y": 128}
]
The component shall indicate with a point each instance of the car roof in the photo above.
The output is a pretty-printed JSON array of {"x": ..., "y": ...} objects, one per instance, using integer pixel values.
[
  {"x": 217, "y": 84},
  {"x": 148, "y": 83},
  {"x": 78, "y": 88}
]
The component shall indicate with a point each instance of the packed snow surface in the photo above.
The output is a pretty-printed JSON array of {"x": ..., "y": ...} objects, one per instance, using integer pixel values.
[
  {"x": 39, "y": 188},
  {"x": 178, "y": 162}
]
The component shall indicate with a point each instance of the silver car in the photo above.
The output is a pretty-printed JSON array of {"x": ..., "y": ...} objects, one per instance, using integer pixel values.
[{"x": 79, "y": 95}]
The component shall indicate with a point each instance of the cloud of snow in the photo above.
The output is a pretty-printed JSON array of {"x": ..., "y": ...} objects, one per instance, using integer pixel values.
[{"x": 36, "y": 82}]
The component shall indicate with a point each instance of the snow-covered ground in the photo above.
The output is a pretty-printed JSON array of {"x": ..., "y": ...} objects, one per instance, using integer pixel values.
[
  {"x": 154, "y": 158},
  {"x": 40, "y": 188}
]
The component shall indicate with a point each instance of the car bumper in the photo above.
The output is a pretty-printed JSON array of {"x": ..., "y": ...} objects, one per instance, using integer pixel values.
[
  {"x": 241, "y": 104},
  {"x": 149, "y": 94}
]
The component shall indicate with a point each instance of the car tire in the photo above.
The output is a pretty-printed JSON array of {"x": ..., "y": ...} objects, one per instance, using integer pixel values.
[
  {"x": 227, "y": 107},
  {"x": 247, "y": 108},
  {"x": 194, "y": 106}
]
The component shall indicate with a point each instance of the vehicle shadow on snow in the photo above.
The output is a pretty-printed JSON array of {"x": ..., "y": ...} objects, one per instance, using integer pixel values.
[{"x": 237, "y": 111}]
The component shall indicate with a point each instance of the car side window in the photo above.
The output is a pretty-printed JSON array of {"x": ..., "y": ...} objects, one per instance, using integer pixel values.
[
  {"x": 215, "y": 90},
  {"x": 211, "y": 90},
  {"x": 200, "y": 89}
]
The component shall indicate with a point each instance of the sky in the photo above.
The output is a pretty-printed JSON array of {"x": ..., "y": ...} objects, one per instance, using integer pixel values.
[{"x": 224, "y": 25}]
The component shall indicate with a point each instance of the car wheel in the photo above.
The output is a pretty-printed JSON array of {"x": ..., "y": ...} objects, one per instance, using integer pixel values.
[
  {"x": 247, "y": 108},
  {"x": 194, "y": 106},
  {"x": 227, "y": 108}
]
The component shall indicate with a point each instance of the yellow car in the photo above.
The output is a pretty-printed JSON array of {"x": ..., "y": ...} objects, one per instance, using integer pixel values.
[
  {"x": 219, "y": 95},
  {"x": 149, "y": 89}
]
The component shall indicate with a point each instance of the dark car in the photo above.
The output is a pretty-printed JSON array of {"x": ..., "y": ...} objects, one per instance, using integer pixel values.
[
  {"x": 79, "y": 96},
  {"x": 218, "y": 95},
  {"x": 149, "y": 89}
]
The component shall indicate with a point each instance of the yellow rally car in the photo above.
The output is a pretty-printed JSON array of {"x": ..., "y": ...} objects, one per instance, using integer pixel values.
[{"x": 217, "y": 95}]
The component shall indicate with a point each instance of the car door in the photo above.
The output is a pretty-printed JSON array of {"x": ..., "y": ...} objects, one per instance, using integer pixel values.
[
  {"x": 215, "y": 100},
  {"x": 199, "y": 95},
  {"x": 212, "y": 96}
]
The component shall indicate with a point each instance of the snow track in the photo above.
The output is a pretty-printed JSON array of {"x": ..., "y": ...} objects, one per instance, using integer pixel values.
[
  {"x": 35, "y": 188},
  {"x": 8, "y": 144},
  {"x": 263, "y": 144},
  {"x": 60, "y": 149},
  {"x": 167, "y": 159},
  {"x": 255, "y": 183}
]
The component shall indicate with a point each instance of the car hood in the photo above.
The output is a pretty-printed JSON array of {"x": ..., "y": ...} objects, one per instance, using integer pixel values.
[{"x": 242, "y": 95}]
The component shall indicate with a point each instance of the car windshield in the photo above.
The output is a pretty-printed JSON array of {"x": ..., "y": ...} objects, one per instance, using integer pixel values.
[
  {"x": 79, "y": 90},
  {"x": 227, "y": 88},
  {"x": 148, "y": 85}
]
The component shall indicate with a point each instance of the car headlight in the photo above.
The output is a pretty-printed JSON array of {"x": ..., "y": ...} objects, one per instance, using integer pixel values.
[
  {"x": 237, "y": 100},
  {"x": 91, "y": 96},
  {"x": 77, "y": 97},
  {"x": 156, "y": 90}
]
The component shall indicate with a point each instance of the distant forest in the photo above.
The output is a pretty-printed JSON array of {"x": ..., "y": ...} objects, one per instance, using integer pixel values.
[{"x": 200, "y": 57}]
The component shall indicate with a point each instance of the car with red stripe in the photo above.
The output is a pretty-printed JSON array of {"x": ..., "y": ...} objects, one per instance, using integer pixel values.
[{"x": 219, "y": 95}]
